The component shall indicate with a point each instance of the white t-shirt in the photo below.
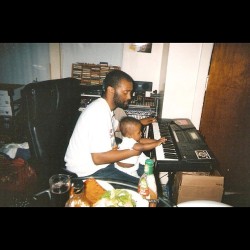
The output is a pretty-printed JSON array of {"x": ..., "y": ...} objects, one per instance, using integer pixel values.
[
  {"x": 128, "y": 143},
  {"x": 93, "y": 133}
]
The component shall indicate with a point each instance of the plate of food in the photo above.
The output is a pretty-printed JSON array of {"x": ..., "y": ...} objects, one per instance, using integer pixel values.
[
  {"x": 98, "y": 193},
  {"x": 103, "y": 184},
  {"x": 121, "y": 198},
  {"x": 87, "y": 196},
  {"x": 94, "y": 189}
]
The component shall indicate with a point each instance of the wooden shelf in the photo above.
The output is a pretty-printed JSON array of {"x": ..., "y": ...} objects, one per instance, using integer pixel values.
[{"x": 91, "y": 74}]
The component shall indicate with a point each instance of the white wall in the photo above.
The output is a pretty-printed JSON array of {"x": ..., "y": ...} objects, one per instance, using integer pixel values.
[
  {"x": 55, "y": 60},
  {"x": 164, "y": 62},
  {"x": 180, "y": 68},
  {"x": 201, "y": 84},
  {"x": 143, "y": 66},
  {"x": 187, "y": 70},
  {"x": 89, "y": 53}
]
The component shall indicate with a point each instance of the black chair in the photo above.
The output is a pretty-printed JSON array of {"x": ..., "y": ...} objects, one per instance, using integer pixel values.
[{"x": 50, "y": 110}]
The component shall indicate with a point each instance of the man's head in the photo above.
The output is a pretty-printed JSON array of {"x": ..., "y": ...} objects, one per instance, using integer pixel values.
[{"x": 117, "y": 88}]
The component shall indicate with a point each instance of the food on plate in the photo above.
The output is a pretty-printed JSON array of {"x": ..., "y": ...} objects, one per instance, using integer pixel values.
[
  {"x": 77, "y": 200},
  {"x": 93, "y": 191},
  {"x": 77, "y": 197},
  {"x": 116, "y": 198}
]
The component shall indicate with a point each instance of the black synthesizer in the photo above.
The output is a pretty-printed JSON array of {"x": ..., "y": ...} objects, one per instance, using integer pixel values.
[{"x": 184, "y": 150}]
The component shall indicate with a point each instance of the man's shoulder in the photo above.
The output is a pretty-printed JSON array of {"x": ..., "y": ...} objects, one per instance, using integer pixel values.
[{"x": 97, "y": 104}]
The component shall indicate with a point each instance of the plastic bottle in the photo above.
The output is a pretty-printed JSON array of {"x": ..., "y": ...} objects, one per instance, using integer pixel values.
[{"x": 147, "y": 184}]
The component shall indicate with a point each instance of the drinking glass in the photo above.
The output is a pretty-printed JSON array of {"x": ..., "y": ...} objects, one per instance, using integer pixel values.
[{"x": 59, "y": 189}]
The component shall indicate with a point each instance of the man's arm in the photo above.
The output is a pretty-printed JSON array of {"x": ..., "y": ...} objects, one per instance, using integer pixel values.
[
  {"x": 148, "y": 120},
  {"x": 113, "y": 156}
]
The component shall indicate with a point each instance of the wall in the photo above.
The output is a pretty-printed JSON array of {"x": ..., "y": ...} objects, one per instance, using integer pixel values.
[
  {"x": 143, "y": 66},
  {"x": 179, "y": 70},
  {"x": 22, "y": 63},
  {"x": 55, "y": 60},
  {"x": 163, "y": 71},
  {"x": 89, "y": 53},
  {"x": 201, "y": 84},
  {"x": 186, "y": 78}
]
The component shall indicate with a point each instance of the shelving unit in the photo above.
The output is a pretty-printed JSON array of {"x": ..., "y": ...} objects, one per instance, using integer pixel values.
[
  {"x": 8, "y": 110},
  {"x": 91, "y": 74}
]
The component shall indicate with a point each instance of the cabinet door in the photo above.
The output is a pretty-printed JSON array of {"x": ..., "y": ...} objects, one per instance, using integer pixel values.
[{"x": 225, "y": 120}]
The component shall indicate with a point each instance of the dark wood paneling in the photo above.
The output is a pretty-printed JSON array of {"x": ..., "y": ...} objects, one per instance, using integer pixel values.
[{"x": 225, "y": 120}]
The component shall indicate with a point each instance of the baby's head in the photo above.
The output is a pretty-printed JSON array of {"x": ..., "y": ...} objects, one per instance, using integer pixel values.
[{"x": 130, "y": 127}]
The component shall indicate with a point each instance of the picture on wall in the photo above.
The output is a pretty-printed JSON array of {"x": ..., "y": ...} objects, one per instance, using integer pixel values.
[{"x": 141, "y": 47}]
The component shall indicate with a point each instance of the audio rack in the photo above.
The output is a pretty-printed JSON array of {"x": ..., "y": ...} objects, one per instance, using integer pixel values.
[{"x": 139, "y": 107}]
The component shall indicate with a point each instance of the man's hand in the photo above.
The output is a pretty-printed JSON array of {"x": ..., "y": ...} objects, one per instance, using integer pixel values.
[{"x": 148, "y": 120}]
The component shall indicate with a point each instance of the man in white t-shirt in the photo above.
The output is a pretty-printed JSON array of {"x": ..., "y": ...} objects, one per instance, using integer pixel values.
[{"x": 92, "y": 149}]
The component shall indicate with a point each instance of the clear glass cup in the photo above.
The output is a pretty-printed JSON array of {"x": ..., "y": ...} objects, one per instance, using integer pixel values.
[{"x": 59, "y": 189}]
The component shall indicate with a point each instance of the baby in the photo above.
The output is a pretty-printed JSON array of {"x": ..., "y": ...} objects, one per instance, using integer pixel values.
[{"x": 130, "y": 128}]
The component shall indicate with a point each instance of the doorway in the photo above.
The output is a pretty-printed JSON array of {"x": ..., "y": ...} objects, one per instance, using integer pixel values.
[{"x": 225, "y": 119}]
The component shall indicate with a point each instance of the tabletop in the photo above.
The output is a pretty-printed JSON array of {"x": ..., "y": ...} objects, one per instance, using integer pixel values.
[{"x": 43, "y": 198}]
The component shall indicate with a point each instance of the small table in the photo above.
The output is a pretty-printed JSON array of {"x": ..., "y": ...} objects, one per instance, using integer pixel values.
[{"x": 42, "y": 199}]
